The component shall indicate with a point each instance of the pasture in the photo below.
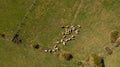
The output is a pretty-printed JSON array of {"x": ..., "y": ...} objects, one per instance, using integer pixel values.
[{"x": 42, "y": 26}]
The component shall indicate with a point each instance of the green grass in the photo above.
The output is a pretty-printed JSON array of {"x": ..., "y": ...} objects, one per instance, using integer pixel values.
[
  {"x": 21, "y": 56},
  {"x": 11, "y": 15},
  {"x": 113, "y": 60},
  {"x": 97, "y": 18}
]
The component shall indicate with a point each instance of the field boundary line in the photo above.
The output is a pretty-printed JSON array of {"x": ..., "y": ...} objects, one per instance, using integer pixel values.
[{"x": 24, "y": 18}]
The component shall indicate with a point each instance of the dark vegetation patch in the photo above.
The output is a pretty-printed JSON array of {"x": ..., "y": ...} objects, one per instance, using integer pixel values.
[
  {"x": 66, "y": 56},
  {"x": 2, "y": 35},
  {"x": 16, "y": 39},
  {"x": 103, "y": 63},
  {"x": 36, "y": 46}
]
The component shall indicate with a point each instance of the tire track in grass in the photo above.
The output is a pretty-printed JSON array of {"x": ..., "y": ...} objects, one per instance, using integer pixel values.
[
  {"x": 77, "y": 11},
  {"x": 75, "y": 16},
  {"x": 51, "y": 2},
  {"x": 24, "y": 18},
  {"x": 45, "y": 8},
  {"x": 75, "y": 6}
]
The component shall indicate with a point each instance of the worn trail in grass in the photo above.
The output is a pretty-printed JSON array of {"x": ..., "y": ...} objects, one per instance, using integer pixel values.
[
  {"x": 11, "y": 14},
  {"x": 97, "y": 18}
]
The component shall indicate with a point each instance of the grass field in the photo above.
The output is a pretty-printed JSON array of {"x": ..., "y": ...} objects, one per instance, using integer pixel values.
[
  {"x": 12, "y": 13},
  {"x": 97, "y": 18}
]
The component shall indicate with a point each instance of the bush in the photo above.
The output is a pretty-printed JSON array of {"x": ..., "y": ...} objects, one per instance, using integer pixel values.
[
  {"x": 36, "y": 46},
  {"x": 66, "y": 56},
  {"x": 2, "y": 35}
]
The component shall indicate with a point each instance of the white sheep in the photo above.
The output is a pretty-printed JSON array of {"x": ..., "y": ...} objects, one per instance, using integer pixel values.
[
  {"x": 64, "y": 43},
  {"x": 61, "y": 40},
  {"x": 79, "y": 26},
  {"x": 45, "y": 50},
  {"x": 77, "y": 31},
  {"x": 56, "y": 48}
]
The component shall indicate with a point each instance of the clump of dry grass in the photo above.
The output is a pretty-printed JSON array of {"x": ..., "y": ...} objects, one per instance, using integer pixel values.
[
  {"x": 117, "y": 42},
  {"x": 95, "y": 60},
  {"x": 109, "y": 51},
  {"x": 113, "y": 36}
]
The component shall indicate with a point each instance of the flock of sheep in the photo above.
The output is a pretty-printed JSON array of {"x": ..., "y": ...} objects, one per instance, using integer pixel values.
[{"x": 69, "y": 34}]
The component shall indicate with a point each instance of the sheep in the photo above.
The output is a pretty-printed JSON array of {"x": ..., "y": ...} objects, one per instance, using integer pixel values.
[
  {"x": 53, "y": 50},
  {"x": 77, "y": 31},
  {"x": 56, "y": 48},
  {"x": 67, "y": 26},
  {"x": 79, "y": 26},
  {"x": 57, "y": 42},
  {"x": 66, "y": 40},
  {"x": 50, "y": 50},
  {"x": 64, "y": 36},
  {"x": 70, "y": 30},
  {"x": 73, "y": 28},
  {"x": 64, "y": 43},
  {"x": 67, "y": 32},
  {"x": 72, "y": 36},
  {"x": 69, "y": 39},
  {"x": 61, "y": 40},
  {"x": 45, "y": 50}
]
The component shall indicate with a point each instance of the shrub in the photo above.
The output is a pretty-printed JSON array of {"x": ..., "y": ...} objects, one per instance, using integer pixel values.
[
  {"x": 66, "y": 56},
  {"x": 36, "y": 46}
]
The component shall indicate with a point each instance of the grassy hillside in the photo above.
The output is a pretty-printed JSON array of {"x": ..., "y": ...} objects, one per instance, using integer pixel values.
[
  {"x": 11, "y": 15},
  {"x": 96, "y": 17},
  {"x": 21, "y": 56}
]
